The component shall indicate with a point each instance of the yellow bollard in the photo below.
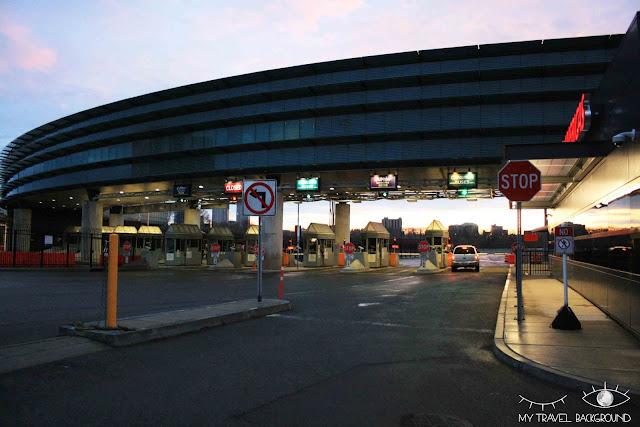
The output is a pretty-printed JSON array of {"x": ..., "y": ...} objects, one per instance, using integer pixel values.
[{"x": 112, "y": 288}]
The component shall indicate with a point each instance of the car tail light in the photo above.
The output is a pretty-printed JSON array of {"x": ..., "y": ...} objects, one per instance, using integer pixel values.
[
  {"x": 453, "y": 258},
  {"x": 475, "y": 257}
]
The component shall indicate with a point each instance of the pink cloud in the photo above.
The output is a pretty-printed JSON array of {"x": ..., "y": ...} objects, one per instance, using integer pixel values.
[{"x": 23, "y": 52}]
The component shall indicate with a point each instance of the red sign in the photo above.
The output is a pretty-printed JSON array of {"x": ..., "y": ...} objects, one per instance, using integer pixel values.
[
  {"x": 126, "y": 246},
  {"x": 349, "y": 248},
  {"x": 580, "y": 123},
  {"x": 519, "y": 180},
  {"x": 255, "y": 250},
  {"x": 424, "y": 247},
  {"x": 514, "y": 247},
  {"x": 530, "y": 237},
  {"x": 564, "y": 231},
  {"x": 233, "y": 187},
  {"x": 395, "y": 246},
  {"x": 215, "y": 248}
]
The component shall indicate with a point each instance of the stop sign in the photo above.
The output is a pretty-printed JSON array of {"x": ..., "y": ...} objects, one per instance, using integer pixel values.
[
  {"x": 126, "y": 246},
  {"x": 424, "y": 247},
  {"x": 519, "y": 180},
  {"x": 514, "y": 247},
  {"x": 215, "y": 248},
  {"x": 255, "y": 250},
  {"x": 349, "y": 248}
]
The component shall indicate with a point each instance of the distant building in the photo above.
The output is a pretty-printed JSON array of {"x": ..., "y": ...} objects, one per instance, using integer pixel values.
[
  {"x": 392, "y": 224},
  {"x": 498, "y": 231},
  {"x": 220, "y": 216},
  {"x": 464, "y": 230}
]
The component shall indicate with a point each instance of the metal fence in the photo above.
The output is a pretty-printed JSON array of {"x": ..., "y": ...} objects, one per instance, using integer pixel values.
[
  {"x": 615, "y": 292},
  {"x": 27, "y": 249},
  {"x": 535, "y": 261}
]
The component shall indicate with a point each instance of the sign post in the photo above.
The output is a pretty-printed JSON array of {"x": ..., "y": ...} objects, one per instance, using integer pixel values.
[
  {"x": 565, "y": 319},
  {"x": 259, "y": 199},
  {"x": 215, "y": 252},
  {"x": 349, "y": 249},
  {"x": 519, "y": 181},
  {"x": 423, "y": 247},
  {"x": 126, "y": 248}
]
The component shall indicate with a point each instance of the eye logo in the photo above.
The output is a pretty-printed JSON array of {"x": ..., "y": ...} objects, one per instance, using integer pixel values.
[
  {"x": 541, "y": 404},
  {"x": 604, "y": 397}
]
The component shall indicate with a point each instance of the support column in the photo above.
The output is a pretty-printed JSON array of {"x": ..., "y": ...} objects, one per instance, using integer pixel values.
[
  {"x": 192, "y": 216},
  {"x": 91, "y": 239},
  {"x": 272, "y": 236},
  {"x": 342, "y": 228},
  {"x": 21, "y": 230},
  {"x": 116, "y": 218}
]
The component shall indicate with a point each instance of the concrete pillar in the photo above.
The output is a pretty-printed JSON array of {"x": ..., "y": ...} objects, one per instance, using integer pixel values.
[
  {"x": 342, "y": 228},
  {"x": 272, "y": 236},
  {"x": 21, "y": 230},
  {"x": 240, "y": 217},
  {"x": 192, "y": 216},
  {"x": 91, "y": 240},
  {"x": 115, "y": 219}
]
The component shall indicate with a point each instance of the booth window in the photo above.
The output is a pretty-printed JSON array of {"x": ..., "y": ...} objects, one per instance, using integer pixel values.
[
  {"x": 437, "y": 241},
  {"x": 180, "y": 244},
  {"x": 372, "y": 246},
  {"x": 313, "y": 245},
  {"x": 170, "y": 245}
]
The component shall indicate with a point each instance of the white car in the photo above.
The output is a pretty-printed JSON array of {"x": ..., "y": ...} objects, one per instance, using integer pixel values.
[{"x": 465, "y": 256}]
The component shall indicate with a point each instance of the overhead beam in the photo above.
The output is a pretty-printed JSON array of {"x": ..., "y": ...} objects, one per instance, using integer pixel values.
[{"x": 571, "y": 150}]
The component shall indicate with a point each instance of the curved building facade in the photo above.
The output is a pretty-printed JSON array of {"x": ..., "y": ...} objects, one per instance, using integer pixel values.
[{"x": 445, "y": 107}]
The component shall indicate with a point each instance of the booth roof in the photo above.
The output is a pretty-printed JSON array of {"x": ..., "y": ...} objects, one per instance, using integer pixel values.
[
  {"x": 149, "y": 229},
  {"x": 77, "y": 229},
  {"x": 126, "y": 229},
  {"x": 436, "y": 229},
  {"x": 375, "y": 229},
  {"x": 252, "y": 230},
  {"x": 321, "y": 231},
  {"x": 183, "y": 231},
  {"x": 220, "y": 232}
]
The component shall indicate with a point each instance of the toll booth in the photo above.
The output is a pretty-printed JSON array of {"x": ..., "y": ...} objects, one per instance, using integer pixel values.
[
  {"x": 318, "y": 242},
  {"x": 223, "y": 236},
  {"x": 375, "y": 239},
  {"x": 183, "y": 245},
  {"x": 73, "y": 239},
  {"x": 250, "y": 240},
  {"x": 438, "y": 236},
  {"x": 149, "y": 238}
]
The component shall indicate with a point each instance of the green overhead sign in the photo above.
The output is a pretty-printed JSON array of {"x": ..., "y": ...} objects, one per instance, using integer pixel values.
[
  {"x": 308, "y": 184},
  {"x": 463, "y": 180}
]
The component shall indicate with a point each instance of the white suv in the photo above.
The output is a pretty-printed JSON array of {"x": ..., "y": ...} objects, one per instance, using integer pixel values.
[{"x": 465, "y": 256}]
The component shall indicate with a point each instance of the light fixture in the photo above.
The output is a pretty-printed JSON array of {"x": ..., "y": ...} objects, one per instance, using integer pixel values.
[
  {"x": 63, "y": 206},
  {"x": 121, "y": 192},
  {"x": 70, "y": 197},
  {"x": 77, "y": 204},
  {"x": 40, "y": 202},
  {"x": 118, "y": 200},
  {"x": 399, "y": 186},
  {"x": 146, "y": 197},
  {"x": 412, "y": 200},
  {"x": 200, "y": 186},
  {"x": 157, "y": 189},
  {"x": 331, "y": 188},
  {"x": 53, "y": 200}
]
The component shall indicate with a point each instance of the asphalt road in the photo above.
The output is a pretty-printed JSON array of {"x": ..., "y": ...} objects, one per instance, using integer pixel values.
[{"x": 380, "y": 348}]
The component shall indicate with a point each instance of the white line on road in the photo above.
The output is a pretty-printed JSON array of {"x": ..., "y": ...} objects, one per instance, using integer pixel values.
[{"x": 385, "y": 324}]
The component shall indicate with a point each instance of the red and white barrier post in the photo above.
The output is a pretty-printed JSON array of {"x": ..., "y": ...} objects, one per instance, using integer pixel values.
[{"x": 281, "y": 281}]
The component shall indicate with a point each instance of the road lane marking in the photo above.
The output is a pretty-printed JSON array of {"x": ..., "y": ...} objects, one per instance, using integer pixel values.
[{"x": 385, "y": 324}]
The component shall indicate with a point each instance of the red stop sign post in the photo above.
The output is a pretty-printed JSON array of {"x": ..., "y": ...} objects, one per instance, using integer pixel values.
[
  {"x": 519, "y": 181},
  {"x": 424, "y": 247},
  {"x": 126, "y": 247},
  {"x": 215, "y": 248},
  {"x": 349, "y": 248}
]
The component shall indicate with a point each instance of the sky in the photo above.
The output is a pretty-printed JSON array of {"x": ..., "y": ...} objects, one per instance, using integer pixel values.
[{"x": 58, "y": 57}]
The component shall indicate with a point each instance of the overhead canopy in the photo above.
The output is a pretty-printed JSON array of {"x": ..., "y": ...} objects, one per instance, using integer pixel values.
[
  {"x": 183, "y": 231},
  {"x": 149, "y": 230},
  {"x": 125, "y": 229},
  {"x": 436, "y": 229},
  {"x": 220, "y": 232},
  {"x": 321, "y": 231},
  {"x": 73, "y": 229},
  {"x": 375, "y": 230}
]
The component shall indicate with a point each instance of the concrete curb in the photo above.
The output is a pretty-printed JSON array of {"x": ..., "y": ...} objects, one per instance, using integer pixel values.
[
  {"x": 122, "y": 338},
  {"x": 506, "y": 355}
]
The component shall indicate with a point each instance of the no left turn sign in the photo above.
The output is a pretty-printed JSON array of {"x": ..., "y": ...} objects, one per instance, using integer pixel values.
[{"x": 260, "y": 197}]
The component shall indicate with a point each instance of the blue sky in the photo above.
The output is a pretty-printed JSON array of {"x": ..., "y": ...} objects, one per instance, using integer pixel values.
[{"x": 60, "y": 57}]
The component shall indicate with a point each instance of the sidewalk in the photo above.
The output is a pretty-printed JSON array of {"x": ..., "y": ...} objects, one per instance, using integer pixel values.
[
  {"x": 138, "y": 329},
  {"x": 601, "y": 351}
]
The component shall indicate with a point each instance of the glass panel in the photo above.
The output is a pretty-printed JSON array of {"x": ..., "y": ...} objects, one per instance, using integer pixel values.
[
  {"x": 292, "y": 129},
  {"x": 276, "y": 131}
]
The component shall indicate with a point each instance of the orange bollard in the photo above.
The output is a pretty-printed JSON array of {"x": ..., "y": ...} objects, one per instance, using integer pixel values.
[
  {"x": 341, "y": 258},
  {"x": 254, "y": 265},
  {"x": 281, "y": 282},
  {"x": 112, "y": 282},
  {"x": 393, "y": 260}
]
